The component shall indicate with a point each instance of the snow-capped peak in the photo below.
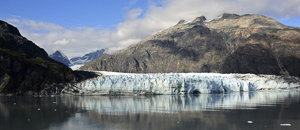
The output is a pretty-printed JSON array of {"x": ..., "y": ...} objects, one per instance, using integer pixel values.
[
  {"x": 60, "y": 57},
  {"x": 64, "y": 56}
]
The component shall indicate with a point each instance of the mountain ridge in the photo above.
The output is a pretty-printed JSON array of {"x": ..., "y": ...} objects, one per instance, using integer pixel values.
[
  {"x": 230, "y": 44},
  {"x": 88, "y": 57},
  {"x": 61, "y": 57},
  {"x": 12, "y": 39}
]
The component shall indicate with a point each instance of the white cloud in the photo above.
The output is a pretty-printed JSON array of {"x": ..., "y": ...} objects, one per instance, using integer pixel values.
[
  {"x": 13, "y": 20},
  {"x": 159, "y": 15},
  {"x": 36, "y": 26},
  {"x": 131, "y": 3},
  {"x": 73, "y": 42},
  {"x": 61, "y": 42},
  {"x": 127, "y": 42},
  {"x": 134, "y": 13}
]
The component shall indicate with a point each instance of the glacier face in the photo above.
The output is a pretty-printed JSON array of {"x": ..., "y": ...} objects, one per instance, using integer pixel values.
[{"x": 112, "y": 83}]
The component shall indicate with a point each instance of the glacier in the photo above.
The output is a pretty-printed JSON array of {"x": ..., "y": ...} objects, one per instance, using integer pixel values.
[
  {"x": 114, "y": 83},
  {"x": 76, "y": 66}
]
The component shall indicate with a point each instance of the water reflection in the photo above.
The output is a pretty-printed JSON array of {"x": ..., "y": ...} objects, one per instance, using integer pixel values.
[
  {"x": 174, "y": 103},
  {"x": 267, "y": 110}
]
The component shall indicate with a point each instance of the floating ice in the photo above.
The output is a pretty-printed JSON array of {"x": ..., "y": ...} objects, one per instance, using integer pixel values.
[
  {"x": 112, "y": 83},
  {"x": 285, "y": 125}
]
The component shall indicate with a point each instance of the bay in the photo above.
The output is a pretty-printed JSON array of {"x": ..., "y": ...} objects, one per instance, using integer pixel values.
[{"x": 237, "y": 110}]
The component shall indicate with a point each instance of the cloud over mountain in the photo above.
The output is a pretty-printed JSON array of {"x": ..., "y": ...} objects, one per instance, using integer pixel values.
[{"x": 140, "y": 23}]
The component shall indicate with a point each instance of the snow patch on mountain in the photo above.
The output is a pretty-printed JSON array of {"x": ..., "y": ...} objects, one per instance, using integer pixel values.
[
  {"x": 77, "y": 62},
  {"x": 88, "y": 57},
  {"x": 76, "y": 66}
]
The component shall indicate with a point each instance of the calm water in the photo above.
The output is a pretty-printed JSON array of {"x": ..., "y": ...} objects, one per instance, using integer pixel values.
[{"x": 266, "y": 110}]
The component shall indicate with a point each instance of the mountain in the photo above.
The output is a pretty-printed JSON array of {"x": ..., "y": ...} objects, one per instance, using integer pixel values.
[
  {"x": 229, "y": 44},
  {"x": 77, "y": 62},
  {"x": 60, "y": 57},
  {"x": 26, "y": 69},
  {"x": 12, "y": 40},
  {"x": 88, "y": 57}
]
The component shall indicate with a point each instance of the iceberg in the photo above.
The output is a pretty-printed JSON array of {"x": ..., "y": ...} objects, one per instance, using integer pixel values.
[{"x": 113, "y": 83}]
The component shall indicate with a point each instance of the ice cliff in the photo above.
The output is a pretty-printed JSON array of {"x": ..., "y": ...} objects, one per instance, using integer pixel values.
[{"x": 111, "y": 83}]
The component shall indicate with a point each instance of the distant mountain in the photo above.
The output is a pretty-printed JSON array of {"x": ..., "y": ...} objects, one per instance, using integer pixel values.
[
  {"x": 229, "y": 44},
  {"x": 88, "y": 57},
  {"x": 60, "y": 57},
  {"x": 77, "y": 62}
]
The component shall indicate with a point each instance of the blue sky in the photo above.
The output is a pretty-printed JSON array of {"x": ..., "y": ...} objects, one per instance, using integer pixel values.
[
  {"x": 69, "y": 13},
  {"x": 77, "y": 27}
]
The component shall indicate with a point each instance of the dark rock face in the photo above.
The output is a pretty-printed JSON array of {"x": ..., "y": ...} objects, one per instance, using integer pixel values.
[
  {"x": 26, "y": 69},
  {"x": 60, "y": 57},
  {"x": 255, "y": 59},
  {"x": 10, "y": 38},
  {"x": 22, "y": 74},
  {"x": 231, "y": 44},
  {"x": 88, "y": 57}
]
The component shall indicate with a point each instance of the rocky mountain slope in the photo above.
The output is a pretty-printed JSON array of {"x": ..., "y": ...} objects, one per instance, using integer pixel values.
[
  {"x": 60, "y": 57},
  {"x": 26, "y": 69},
  {"x": 230, "y": 44}
]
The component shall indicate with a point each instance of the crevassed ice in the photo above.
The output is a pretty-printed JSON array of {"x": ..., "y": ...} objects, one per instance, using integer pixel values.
[{"x": 180, "y": 83}]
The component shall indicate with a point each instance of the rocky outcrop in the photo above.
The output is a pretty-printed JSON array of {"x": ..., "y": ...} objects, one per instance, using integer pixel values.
[
  {"x": 230, "y": 44},
  {"x": 26, "y": 69}
]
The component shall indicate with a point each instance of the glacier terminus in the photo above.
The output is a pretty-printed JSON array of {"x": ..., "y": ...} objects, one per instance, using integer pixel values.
[{"x": 114, "y": 83}]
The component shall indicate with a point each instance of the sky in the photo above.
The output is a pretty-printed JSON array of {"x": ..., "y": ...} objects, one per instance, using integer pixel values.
[{"x": 77, "y": 27}]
